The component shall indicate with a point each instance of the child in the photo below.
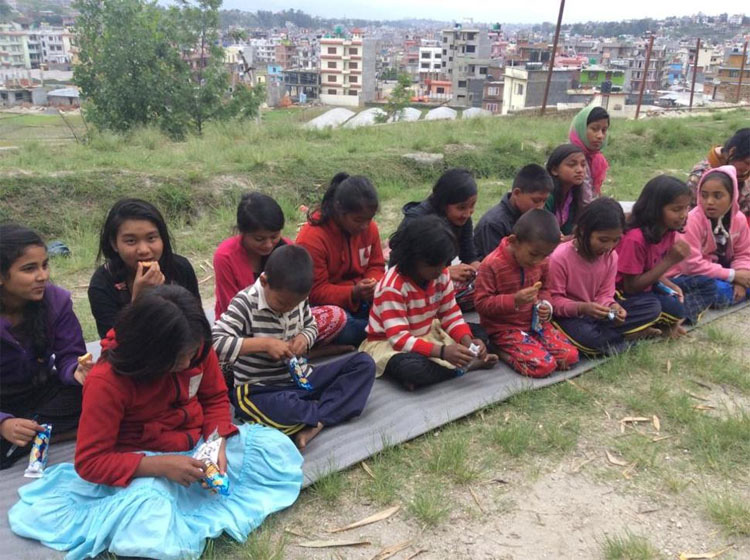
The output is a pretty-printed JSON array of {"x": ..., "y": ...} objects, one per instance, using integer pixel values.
[
  {"x": 649, "y": 249},
  {"x": 532, "y": 186},
  {"x": 719, "y": 236},
  {"x": 155, "y": 394},
  {"x": 136, "y": 245},
  {"x": 239, "y": 259},
  {"x": 511, "y": 294},
  {"x": 589, "y": 131},
  {"x": 734, "y": 152},
  {"x": 265, "y": 326},
  {"x": 417, "y": 334},
  {"x": 40, "y": 341},
  {"x": 344, "y": 243},
  {"x": 567, "y": 167},
  {"x": 582, "y": 285}
]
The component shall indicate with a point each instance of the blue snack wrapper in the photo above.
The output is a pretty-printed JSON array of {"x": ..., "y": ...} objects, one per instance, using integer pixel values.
[
  {"x": 300, "y": 370},
  {"x": 208, "y": 452},
  {"x": 536, "y": 324},
  {"x": 662, "y": 288},
  {"x": 38, "y": 455}
]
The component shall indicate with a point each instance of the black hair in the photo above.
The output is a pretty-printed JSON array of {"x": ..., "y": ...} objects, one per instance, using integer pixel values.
[
  {"x": 556, "y": 158},
  {"x": 133, "y": 209},
  {"x": 345, "y": 194},
  {"x": 153, "y": 331},
  {"x": 597, "y": 114},
  {"x": 454, "y": 186},
  {"x": 740, "y": 141},
  {"x": 533, "y": 178},
  {"x": 426, "y": 239},
  {"x": 290, "y": 268},
  {"x": 537, "y": 225},
  {"x": 257, "y": 211},
  {"x": 647, "y": 210},
  {"x": 14, "y": 240},
  {"x": 723, "y": 178},
  {"x": 600, "y": 214}
]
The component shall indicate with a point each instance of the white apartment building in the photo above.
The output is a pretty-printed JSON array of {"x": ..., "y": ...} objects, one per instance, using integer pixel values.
[
  {"x": 31, "y": 48},
  {"x": 347, "y": 70},
  {"x": 430, "y": 60},
  {"x": 264, "y": 50}
]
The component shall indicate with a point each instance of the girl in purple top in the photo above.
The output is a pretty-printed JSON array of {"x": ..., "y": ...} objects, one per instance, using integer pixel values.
[{"x": 40, "y": 342}]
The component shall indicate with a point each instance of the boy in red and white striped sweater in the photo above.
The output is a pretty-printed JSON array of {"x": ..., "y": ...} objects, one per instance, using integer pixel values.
[{"x": 416, "y": 333}]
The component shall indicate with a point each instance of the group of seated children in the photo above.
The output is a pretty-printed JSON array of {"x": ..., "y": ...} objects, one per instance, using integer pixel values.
[{"x": 555, "y": 270}]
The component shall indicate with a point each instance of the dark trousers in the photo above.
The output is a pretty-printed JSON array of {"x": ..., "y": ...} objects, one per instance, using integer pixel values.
[
  {"x": 49, "y": 402},
  {"x": 725, "y": 294},
  {"x": 340, "y": 391},
  {"x": 412, "y": 370},
  {"x": 594, "y": 337},
  {"x": 699, "y": 292},
  {"x": 353, "y": 332}
]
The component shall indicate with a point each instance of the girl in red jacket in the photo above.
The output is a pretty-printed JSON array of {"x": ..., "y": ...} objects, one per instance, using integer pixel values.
[
  {"x": 155, "y": 394},
  {"x": 344, "y": 242}
]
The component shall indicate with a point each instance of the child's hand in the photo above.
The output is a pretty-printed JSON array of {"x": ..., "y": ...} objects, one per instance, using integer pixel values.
[
  {"x": 593, "y": 310},
  {"x": 19, "y": 431},
  {"x": 364, "y": 290},
  {"x": 740, "y": 292},
  {"x": 742, "y": 277},
  {"x": 181, "y": 469},
  {"x": 544, "y": 312},
  {"x": 278, "y": 349},
  {"x": 620, "y": 313},
  {"x": 462, "y": 272},
  {"x": 482, "y": 348},
  {"x": 147, "y": 277},
  {"x": 679, "y": 251},
  {"x": 221, "y": 460},
  {"x": 675, "y": 287},
  {"x": 85, "y": 363},
  {"x": 527, "y": 295},
  {"x": 298, "y": 345},
  {"x": 458, "y": 355}
]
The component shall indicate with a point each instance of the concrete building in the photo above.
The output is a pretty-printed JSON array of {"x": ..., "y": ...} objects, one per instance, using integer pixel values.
[
  {"x": 728, "y": 76},
  {"x": 430, "y": 60},
  {"x": 264, "y": 50},
  {"x": 286, "y": 54},
  {"x": 465, "y": 60},
  {"x": 524, "y": 87},
  {"x": 347, "y": 70},
  {"x": 302, "y": 85},
  {"x": 658, "y": 70},
  {"x": 594, "y": 76},
  {"x": 14, "y": 46},
  {"x": 492, "y": 96}
]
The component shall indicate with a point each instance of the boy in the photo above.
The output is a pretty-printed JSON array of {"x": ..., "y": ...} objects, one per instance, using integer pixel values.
[
  {"x": 265, "y": 326},
  {"x": 532, "y": 186},
  {"x": 510, "y": 289}
]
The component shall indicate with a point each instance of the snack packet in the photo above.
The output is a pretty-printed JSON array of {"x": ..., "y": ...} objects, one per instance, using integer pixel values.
[
  {"x": 474, "y": 349},
  {"x": 612, "y": 315},
  {"x": 208, "y": 452},
  {"x": 536, "y": 324},
  {"x": 300, "y": 370},
  {"x": 38, "y": 455}
]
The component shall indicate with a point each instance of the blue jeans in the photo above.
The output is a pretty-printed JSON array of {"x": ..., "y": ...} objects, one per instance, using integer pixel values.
[
  {"x": 699, "y": 292},
  {"x": 725, "y": 294},
  {"x": 353, "y": 332}
]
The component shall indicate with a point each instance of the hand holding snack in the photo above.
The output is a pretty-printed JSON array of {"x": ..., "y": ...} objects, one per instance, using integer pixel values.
[
  {"x": 147, "y": 274},
  {"x": 85, "y": 363},
  {"x": 298, "y": 345},
  {"x": 527, "y": 295},
  {"x": 19, "y": 431},
  {"x": 278, "y": 349},
  {"x": 364, "y": 290},
  {"x": 545, "y": 311}
]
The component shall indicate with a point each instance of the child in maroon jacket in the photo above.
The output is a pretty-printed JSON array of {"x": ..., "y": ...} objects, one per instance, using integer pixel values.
[
  {"x": 155, "y": 395},
  {"x": 512, "y": 299}
]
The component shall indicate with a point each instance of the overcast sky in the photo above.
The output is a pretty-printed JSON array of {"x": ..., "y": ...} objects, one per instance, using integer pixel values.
[{"x": 507, "y": 11}]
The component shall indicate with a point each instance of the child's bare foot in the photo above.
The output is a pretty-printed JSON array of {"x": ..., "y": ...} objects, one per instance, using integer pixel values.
[
  {"x": 676, "y": 331},
  {"x": 562, "y": 365},
  {"x": 304, "y": 436},
  {"x": 490, "y": 360},
  {"x": 649, "y": 332},
  {"x": 504, "y": 356}
]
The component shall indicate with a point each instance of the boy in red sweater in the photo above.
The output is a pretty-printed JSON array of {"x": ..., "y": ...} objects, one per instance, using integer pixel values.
[{"x": 512, "y": 299}]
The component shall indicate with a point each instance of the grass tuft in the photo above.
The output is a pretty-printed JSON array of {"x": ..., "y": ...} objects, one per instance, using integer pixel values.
[
  {"x": 628, "y": 547},
  {"x": 429, "y": 505},
  {"x": 730, "y": 513}
]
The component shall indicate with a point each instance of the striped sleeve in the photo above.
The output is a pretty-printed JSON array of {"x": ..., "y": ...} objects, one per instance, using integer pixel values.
[
  {"x": 234, "y": 325},
  {"x": 309, "y": 328},
  {"x": 392, "y": 307},
  {"x": 451, "y": 318}
]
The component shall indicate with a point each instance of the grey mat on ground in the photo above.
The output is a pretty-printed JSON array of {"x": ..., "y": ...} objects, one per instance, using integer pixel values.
[{"x": 392, "y": 416}]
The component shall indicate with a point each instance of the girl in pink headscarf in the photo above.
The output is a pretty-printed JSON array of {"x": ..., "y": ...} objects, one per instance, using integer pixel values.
[{"x": 589, "y": 131}]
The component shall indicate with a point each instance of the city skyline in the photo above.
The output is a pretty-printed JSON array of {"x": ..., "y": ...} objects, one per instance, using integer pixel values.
[{"x": 479, "y": 11}]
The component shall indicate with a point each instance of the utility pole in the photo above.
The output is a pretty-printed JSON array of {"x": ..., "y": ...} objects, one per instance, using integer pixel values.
[
  {"x": 645, "y": 75},
  {"x": 742, "y": 72},
  {"x": 695, "y": 72},
  {"x": 552, "y": 58}
]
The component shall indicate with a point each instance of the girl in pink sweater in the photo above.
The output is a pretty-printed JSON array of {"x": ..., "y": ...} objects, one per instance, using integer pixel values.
[
  {"x": 581, "y": 281},
  {"x": 719, "y": 237}
]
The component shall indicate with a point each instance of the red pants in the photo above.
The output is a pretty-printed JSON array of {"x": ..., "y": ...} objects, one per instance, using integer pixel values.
[
  {"x": 536, "y": 355},
  {"x": 330, "y": 321}
]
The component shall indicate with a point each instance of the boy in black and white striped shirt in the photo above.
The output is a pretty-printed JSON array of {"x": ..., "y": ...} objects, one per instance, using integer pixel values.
[{"x": 265, "y": 326}]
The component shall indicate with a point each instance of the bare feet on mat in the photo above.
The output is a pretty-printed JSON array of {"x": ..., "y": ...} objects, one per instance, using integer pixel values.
[
  {"x": 330, "y": 350},
  {"x": 306, "y": 435},
  {"x": 562, "y": 365},
  {"x": 490, "y": 360},
  {"x": 675, "y": 331},
  {"x": 649, "y": 332}
]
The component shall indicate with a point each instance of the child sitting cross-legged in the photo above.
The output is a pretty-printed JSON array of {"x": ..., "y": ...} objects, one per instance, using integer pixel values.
[
  {"x": 512, "y": 299},
  {"x": 270, "y": 323},
  {"x": 417, "y": 334}
]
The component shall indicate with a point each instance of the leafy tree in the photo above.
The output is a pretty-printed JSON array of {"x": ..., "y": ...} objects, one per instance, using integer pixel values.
[{"x": 398, "y": 100}]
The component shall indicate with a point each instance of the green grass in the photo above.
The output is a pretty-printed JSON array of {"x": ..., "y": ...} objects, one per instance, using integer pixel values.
[
  {"x": 429, "y": 505},
  {"x": 628, "y": 547},
  {"x": 730, "y": 513}
]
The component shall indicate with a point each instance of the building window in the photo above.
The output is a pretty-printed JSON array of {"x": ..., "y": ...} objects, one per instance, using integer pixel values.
[
  {"x": 352, "y": 92},
  {"x": 493, "y": 91},
  {"x": 426, "y": 54},
  {"x": 353, "y": 65},
  {"x": 491, "y": 107},
  {"x": 519, "y": 89},
  {"x": 425, "y": 66},
  {"x": 440, "y": 90},
  {"x": 353, "y": 79},
  {"x": 353, "y": 52},
  {"x": 331, "y": 64},
  {"x": 331, "y": 78},
  {"x": 482, "y": 70},
  {"x": 331, "y": 92},
  {"x": 470, "y": 36},
  {"x": 471, "y": 48},
  {"x": 331, "y": 50},
  {"x": 462, "y": 83}
]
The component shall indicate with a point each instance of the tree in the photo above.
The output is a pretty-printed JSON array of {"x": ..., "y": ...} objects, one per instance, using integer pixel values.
[
  {"x": 397, "y": 101},
  {"x": 4, "y": 11}
]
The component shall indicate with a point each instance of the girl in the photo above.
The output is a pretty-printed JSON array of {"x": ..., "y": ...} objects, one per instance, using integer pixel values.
[
  {"x": 582, "y": 285},
  {"x": 734, "y": 152},
  {"x": 344, "y": 243},
  {"x": 154, "y": 395},
  {"x": 453, "y": 199},
  {"x": 589, "y": 131},
  {"x": 239, "y": 259},
  {"x": 719, "y": 236},
  {"x": 417, "y": 335},
  {"x": 40, "y": 341},
  {"x": 567, "y": 167},
  {"x": 649, "y": 249},
  {"x": 136, "y": 245}
]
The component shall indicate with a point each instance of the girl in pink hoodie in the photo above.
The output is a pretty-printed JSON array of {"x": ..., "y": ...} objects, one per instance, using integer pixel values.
[{"x": 719, "y": 237}]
